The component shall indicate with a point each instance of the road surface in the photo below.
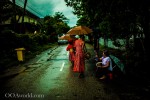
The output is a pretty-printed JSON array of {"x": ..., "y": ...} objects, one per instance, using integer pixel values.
[{"x": 49, "y": 76}]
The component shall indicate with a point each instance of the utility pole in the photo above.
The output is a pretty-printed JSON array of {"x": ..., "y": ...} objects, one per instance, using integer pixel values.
[
  {"x": 24, "y": 10},
  {"x": 14, "y": 14}
]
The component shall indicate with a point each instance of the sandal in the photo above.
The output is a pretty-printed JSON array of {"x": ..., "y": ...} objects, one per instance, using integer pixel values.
[{"x": 103, "y": 77}]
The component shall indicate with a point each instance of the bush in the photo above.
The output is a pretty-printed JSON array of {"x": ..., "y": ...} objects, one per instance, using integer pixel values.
[{"x": 10, "y": 40}]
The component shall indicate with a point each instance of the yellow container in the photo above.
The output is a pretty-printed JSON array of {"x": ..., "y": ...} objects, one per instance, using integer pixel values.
[{"x": 20, "y": 54}]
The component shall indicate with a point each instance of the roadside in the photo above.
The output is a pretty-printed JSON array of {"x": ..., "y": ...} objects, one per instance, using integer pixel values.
[{"x": 15, "y": 67}]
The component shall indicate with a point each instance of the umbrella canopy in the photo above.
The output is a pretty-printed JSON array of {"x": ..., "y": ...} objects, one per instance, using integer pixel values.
[
  {"x": 79, "y": 30},
  {"x": 66, "y": 37},
  {"x": 118, "y": 63}
]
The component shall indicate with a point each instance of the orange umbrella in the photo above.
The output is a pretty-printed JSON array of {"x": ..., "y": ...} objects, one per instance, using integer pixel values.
[
  {"x": 65, "y": 37},
  {"x": 79, "y": 30}
]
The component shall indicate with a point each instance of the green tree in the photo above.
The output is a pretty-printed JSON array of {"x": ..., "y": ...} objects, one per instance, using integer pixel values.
[
  {"x": 55, "y": 25},
  {"x": 120, "y": 15}
]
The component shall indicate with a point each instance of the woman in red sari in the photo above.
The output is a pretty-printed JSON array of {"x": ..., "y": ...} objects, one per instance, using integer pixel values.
[{"x": 79, "y": 61}]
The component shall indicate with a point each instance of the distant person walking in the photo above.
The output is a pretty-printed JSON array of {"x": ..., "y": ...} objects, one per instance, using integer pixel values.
[
  {"x": 96, "y": 36},
  {"x": 79, "y": 61}
]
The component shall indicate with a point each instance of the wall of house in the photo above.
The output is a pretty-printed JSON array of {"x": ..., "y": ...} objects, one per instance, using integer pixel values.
[{"x": 26, "y": 19}]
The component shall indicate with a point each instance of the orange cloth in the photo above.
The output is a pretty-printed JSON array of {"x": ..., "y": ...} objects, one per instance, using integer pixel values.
[
  {"x": 79, "y": 62},
  {"x": 71, "y": 52}
]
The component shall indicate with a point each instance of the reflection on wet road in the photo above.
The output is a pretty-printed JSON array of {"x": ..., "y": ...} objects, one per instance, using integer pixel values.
[{"x": 50, "y": 77}]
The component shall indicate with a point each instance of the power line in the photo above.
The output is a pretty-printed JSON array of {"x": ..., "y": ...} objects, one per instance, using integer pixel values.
[{"x": 31, "y": 9}]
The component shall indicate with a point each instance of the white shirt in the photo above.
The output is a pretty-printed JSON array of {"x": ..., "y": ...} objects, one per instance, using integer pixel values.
[{"x": 105, "y": 60}]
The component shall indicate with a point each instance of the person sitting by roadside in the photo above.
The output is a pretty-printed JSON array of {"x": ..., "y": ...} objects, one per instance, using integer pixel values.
[{"x": 105, "y": 65}]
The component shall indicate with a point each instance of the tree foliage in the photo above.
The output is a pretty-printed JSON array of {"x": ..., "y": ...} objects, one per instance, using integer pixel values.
[
  {"x": 55, "y": 25},
  {"x": 116, "y": 18}
]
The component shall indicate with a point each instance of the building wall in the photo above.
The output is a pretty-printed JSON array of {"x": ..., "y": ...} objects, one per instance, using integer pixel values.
[{"x": 27, "y": 19}]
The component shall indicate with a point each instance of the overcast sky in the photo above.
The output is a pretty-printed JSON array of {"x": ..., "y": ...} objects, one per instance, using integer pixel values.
[{"x": 48, "y": 7}]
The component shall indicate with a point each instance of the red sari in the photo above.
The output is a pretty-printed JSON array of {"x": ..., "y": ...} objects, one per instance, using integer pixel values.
[
  {"x": 71, "y": 52},
  {"x": 79, "y": 62}
]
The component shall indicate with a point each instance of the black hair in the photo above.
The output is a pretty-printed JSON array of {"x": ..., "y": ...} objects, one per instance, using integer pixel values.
[
  {"x": 106, "y": 52},
  {"x": 82, "y": 37}
]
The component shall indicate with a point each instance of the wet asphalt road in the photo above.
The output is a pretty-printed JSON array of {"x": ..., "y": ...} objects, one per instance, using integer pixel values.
[{"x": 49, "y": 76}]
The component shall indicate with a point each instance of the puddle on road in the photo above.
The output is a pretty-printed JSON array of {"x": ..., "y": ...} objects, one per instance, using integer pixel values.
[
  {"x": 32, "y": 67},
  {"x": 29, "y": 69}
]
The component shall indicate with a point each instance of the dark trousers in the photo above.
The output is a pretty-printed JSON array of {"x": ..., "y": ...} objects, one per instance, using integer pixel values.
[{"x": 102, "y": 71}]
